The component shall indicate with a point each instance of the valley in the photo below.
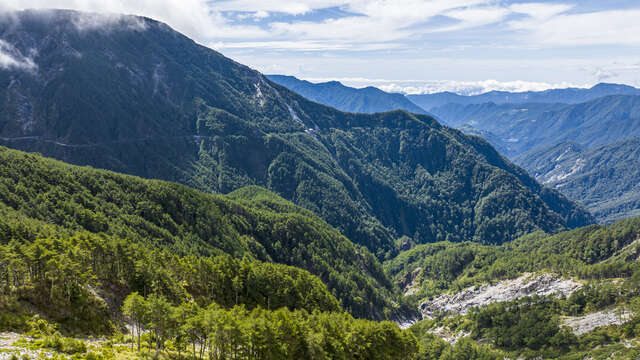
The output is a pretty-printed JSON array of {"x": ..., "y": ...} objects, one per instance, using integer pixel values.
[{"x": 161, "y": 200}]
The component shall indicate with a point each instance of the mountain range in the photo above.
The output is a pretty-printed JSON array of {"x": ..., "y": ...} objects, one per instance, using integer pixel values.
[
  {"x": 131, "y": 95},
  {"x": 366, "y": 100},
  {"x": 218, "y": 214},
  {"x": 523, "y": 127},
  {"x": 565, "y": 96},
  {"x": 564, "y": 146}
]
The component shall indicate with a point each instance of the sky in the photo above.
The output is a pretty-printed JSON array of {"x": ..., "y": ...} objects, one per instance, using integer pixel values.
[{"x": 409, "y": 46}]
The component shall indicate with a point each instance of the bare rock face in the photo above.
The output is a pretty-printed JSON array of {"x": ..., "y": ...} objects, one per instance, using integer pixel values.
[
  {"x": 446, "y": 334},
  {"x": 412, "y": 282},
  {"x": 584, "y": 324},
  {"x": 507, "y": 290}
]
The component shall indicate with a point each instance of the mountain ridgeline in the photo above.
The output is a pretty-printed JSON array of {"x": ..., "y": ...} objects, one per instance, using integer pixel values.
[
  {"x": 367, "y": 100},
  {"x": 551, "y": 96},
  {"x": 131, "y": 95},
  {"x": 523, "y": 127}
]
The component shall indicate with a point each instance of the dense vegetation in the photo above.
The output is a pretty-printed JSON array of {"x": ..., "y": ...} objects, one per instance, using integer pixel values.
[
  {"x": 65, "y": 278},
  {"x": 36, "y": 192},
  {"x": 603, "y": 178},
  {"x": 189, "y": 331},
  {"x": 603, "y": 258},
  {"x": 587, "y": 151},
  {"x": 592, "y": 253},
  {"x": 145, "y": 100},
  {"x": 367, "y": 100},
  {"x": 261, "y": 334},
  {"x": 532, "y": 326}
]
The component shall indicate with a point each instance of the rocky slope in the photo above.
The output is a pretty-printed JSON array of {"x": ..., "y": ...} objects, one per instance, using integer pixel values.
[
  {"x": 584, "y": 324},
  {"x": 503, "y": 291}
]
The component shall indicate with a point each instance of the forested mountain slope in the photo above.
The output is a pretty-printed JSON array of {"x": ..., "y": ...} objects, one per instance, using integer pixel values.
[
  {"x": 523, "y": 127},
  {"x": 131, "y": 95},
  {"x": 603, "y": 178},
  {"x": 366, "y": 100},
  {"x": 40, "y": 198}
]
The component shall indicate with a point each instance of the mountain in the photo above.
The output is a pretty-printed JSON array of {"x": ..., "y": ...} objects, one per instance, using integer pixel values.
[
  {"x": 131, "y": 95},
  {"x": 603, "y": 178},
  {"x": 367, "y": 100},
  {"x": 92, "y": 252},
  {"x": 523, "y": 127},
  {"x": 36, "y": 193},
  {"x": 566, "y": 96}
]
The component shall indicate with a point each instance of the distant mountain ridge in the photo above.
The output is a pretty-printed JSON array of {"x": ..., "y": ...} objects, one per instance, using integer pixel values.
[
  {"x": 566, "y": 96},
  {"x": 367, "y": 100},
  {"x": 142, "y": 99},
  {"x": 519, "y": 128},
  {"x": 587, "y": 151}
]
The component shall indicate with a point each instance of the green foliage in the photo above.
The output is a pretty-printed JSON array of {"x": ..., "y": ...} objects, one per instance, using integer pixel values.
[
  {"x": 521, "y": 324},
  {"x": 105, "y": 267},
  {"x": 590, "y": 253},
  {"x": 63, "y": 344},
  {"x": 262, "y": 334},
  {"x": 36, "y": 193}
]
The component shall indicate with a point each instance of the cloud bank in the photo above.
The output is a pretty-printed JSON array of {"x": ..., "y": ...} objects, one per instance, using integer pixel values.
[
  {"x": 458, "y": 87},
  {"x": 359, "y": 23}
]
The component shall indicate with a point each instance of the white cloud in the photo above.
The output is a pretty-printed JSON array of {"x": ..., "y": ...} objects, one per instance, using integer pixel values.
[
  {"x": 92, "y": 21},
  {"x": 283, "y": 6},
  {"x": 373, "y": 21},
  {"x": 459, "y": 87},
  {"x": 610, "y": 27},
  {"x": 385, "y": 20},
  {"x": 475, "y": 17},
  {"x": 195, "y": 18},
  {"x": 477, "y": 87},
  {"x": 301, "y": 45},
  {"x": 604, "y": 74},
  {"x": 540, "y": 10},
  {"x": 11, "y": 58},
  {"x": 261, "y": 14}
]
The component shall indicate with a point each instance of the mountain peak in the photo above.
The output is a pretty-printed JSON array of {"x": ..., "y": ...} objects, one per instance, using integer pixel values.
[
  {"x": 612, "y": 86},
  {"x": 156, "y": 104}
]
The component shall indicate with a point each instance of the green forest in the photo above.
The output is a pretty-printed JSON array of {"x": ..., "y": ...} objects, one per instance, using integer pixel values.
[
  {"x": 177, "y": 205},
  {"x": 85, "y": 251}
]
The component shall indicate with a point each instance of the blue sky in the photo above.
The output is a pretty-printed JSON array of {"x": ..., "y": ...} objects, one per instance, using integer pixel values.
[{"x": 410, "y": 45}]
